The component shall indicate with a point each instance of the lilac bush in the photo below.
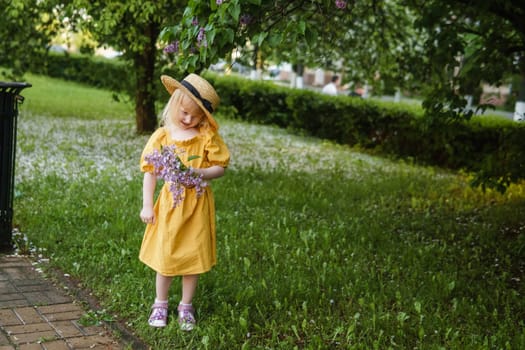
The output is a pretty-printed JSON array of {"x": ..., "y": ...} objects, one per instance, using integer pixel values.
[
  {"x": 223, "y": 25},
  {"x": 169, "y": 167}
]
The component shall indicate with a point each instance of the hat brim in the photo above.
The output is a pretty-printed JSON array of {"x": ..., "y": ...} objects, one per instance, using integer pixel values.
[{"x": 171, "y": 85}]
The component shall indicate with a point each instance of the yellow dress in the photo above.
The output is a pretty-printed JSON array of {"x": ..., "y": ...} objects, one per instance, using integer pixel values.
[{"x": 182, "y": 239}]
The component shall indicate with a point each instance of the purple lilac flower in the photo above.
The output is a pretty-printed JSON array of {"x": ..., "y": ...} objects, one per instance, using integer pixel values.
[
  {"x": 340, "y": 4},
  {"x": 245, "y": 19},
  {"x": 172, "y": 47},
  {"x": 169, "y": 167},
  {"x": 219, "y": 2},
  {"x": 195, "y": 21},
  {"x": 201, "y": 37}
]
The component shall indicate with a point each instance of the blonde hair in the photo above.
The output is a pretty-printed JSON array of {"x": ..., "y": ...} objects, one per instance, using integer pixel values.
[{"x": 173, "y": 105}]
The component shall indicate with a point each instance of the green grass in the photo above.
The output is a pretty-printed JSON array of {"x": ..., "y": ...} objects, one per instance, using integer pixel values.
[
  {"x": 72, "y": 100},
  {"x": 319, "y": 246}
]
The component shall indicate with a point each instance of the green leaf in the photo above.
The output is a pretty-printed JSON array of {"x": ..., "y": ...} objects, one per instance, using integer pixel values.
[
  {"x": 259, "y": 38},
  {"x": 228, "y": 36},
  {"x": 235, "y": 11},
  {"x": 203, "y": 54},
  {"x": 210, "y": 35},
  {"x": 169, "y": 33},
  {"x": 310, "y": 36},
  {"x": 192, "y": 62},
  {"x": 302, "y": 27},
  {"x": 417, "y": 306},
  {"x": 185, "y": 44},
  {"x": 188, "y": 12},
  {"x": 243, "y": 323},
  {"x": 275, "y": 39},
  {"x": 247, "y": 263}
]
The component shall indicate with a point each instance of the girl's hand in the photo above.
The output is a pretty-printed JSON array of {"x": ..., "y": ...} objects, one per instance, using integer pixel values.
[
  {"x": 210, "y": 173},
  {"x": 147, "y": 215}
]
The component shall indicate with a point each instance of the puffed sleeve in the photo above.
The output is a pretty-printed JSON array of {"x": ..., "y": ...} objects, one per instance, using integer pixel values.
[
  {"x": 155, "y": 141},
  {"x": 217, "y": 152}
]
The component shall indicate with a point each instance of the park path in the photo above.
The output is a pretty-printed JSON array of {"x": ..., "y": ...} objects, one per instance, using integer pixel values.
[{"x": 36, "y": 313}]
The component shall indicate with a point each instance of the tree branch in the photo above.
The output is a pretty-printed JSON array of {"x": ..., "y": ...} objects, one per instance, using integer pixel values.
[{"x": 514, "y": 13}]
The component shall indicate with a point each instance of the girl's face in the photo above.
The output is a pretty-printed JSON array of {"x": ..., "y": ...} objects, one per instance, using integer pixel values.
[{"x": 189, "y": 115}]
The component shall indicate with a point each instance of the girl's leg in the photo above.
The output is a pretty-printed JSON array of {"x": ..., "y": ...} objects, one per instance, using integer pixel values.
[
  {"x": 162, "y": 286},
  {"x": 186, "y": 310},
  {"x": 189, "y": 285},
  {"x": 159, "y": 313}
]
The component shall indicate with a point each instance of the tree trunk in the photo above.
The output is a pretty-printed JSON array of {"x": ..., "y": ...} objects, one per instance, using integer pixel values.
[
  {"x": 519, "y": 108},
  {"x": 299, "y": 68},
  {"x": 253, "y": 72},
  {"x": 145, "y": 114}
]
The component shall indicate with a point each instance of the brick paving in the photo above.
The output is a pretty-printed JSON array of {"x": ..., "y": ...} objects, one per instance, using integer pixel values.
[{"x": 37, "y": 314}]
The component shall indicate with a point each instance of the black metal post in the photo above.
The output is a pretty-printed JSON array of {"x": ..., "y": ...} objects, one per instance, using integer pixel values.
[{"x": 9, "y": 100}]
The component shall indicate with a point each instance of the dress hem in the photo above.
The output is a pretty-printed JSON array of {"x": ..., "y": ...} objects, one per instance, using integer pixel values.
[{"x": 175, "y": 274}]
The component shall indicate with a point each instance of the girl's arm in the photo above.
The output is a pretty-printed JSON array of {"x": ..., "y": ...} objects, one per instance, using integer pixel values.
[
  {"x": 212, "y": 172},
  {"x": 147, "y": 214}
]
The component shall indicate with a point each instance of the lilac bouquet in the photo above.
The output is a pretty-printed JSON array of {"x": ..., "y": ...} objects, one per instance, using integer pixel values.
[{"x": 170, "y": 168}]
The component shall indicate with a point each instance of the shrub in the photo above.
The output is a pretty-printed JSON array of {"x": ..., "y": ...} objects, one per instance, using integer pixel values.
[
  {"x": 493, "y": 148},
  {"x": 256, "y": 101},
  {"x": 99, "y": 72}
]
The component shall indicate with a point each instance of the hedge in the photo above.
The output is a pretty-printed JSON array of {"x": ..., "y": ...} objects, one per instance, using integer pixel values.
[
  {"x": 492, "y": 148},
  {"x": 98, "y": 72}
]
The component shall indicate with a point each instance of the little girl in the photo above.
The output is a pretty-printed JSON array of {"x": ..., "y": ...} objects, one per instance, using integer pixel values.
[{"x": 180, "y": 240}]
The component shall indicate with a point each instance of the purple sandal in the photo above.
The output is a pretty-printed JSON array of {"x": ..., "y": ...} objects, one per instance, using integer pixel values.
[
  {"x": 159, "y": 315},
  {"x": 186, "y": 317}
]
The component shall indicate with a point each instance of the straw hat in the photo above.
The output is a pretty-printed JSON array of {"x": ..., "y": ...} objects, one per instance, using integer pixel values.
[{"x": 199, "y": 90}]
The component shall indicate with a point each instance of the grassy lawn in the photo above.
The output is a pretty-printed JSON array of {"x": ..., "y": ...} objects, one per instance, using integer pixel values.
[
  {"x": 319, "y": 246},
  {"x": 72, "y": 100}
]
